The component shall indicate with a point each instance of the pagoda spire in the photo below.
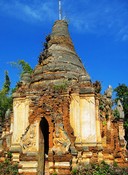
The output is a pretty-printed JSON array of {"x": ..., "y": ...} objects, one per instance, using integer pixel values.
[{"x": 60, "y": 10}]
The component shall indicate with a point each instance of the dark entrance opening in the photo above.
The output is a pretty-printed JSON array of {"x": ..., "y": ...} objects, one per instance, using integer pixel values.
[
  {"x": 44, "y": 146},
  {"x": 43, "y": 167},
  {"x": 45, "y": 131}
]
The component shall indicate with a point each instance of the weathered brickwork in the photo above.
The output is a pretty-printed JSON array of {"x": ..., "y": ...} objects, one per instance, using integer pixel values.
[{"x": 59, "y": 118}]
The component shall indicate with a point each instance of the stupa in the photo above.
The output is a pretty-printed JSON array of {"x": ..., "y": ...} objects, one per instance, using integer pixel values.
[{"x": 59, "y": 118}]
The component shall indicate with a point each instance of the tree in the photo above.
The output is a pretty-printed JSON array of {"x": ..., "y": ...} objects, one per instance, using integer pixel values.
[
  {"x": 5, "y": 97},
  {"x": 6, "y": 86},
  {"x": 122, "y": 95}
]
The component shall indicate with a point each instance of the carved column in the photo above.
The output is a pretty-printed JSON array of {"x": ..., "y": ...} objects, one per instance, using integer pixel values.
[{"x": 98, "y": 132}]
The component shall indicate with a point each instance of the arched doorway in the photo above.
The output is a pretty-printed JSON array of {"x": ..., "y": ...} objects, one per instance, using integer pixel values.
[
  {"x": 43, "y": 146},
  {"x": 45, "y": 131}
]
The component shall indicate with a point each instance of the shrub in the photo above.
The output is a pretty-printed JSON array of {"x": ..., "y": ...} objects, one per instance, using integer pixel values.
[
  {"x": 54, "y": 173},
  {"x": 100, "y": 169},
  {"x": 60, "y": 87},
  {"x": 8, "y": 168}
]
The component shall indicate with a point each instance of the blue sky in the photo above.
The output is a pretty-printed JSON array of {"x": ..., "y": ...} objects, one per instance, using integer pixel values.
[{"x": 98, "y": 28}]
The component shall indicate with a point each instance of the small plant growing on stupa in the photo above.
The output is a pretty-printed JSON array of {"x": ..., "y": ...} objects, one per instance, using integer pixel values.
[{"x": 60, "y": 87}]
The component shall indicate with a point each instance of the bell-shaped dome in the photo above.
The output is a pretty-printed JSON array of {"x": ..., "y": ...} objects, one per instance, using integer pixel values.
[{"x": 59, "y": 61}]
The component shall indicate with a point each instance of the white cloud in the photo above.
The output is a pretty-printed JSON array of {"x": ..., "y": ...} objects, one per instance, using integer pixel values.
[
  {"x": 100, "y": 17},
  {"x": 34, "y": 11}
]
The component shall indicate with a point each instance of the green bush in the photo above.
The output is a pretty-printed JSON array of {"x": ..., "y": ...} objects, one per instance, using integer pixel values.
[
  {"x": 54, "y": 173},
  {"x": 8, "y": 168},
  {"x": 100, "y": 169},
  {"x": 60, "y": 87}
]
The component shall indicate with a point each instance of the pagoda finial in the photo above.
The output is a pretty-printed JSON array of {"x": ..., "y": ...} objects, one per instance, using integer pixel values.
[{"x": 60, "y": 10}]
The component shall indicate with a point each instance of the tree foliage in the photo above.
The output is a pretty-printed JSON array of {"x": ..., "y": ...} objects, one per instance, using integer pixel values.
[
  {"x": 23, "y": 67},
  {"x": 6, "y": 86},
  {"x": 26, "y": 68},
  {"x": 122, "y": 95},
  {"x": 5, "y": 98},
  {"x": 5, "y": 95}
]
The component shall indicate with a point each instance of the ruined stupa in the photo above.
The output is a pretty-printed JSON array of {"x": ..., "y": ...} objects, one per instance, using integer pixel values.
[{"x": 59, "y": 118}]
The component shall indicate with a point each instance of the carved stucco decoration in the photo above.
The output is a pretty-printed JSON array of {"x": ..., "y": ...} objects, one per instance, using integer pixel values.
[
  {"x": 28, "y": 140},
  {"x": 61, "y": 140},
  {"x": 20, "y": 113},
  {"x": 18, "y": 102},
  {"x": 120, "y": 109},
  {"x": 83, "y": 115},
  {"x": 109, "y": 91}
]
